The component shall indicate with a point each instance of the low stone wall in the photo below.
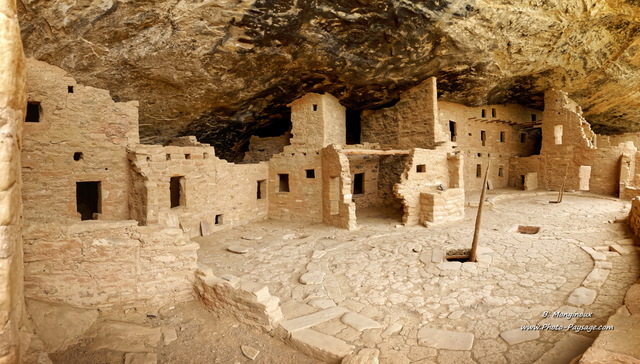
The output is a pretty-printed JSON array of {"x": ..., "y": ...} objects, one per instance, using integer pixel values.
[
  {"x": 249, "y": 302},
  {"x": 107, "y": 263},
  {"x": 442, "y": 206}
]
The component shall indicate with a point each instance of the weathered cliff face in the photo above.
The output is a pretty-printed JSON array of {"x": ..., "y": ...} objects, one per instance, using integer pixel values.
[{"x": 225, "y": 69}]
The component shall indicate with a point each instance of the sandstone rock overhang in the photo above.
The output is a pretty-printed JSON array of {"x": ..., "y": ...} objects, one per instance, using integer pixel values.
[{"x": 225, "y": 71}]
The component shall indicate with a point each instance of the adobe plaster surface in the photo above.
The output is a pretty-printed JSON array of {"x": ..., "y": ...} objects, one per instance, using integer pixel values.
[{"x": 386, "y": 274}]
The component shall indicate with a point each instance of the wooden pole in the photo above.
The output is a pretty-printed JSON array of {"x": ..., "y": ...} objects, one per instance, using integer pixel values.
[
  {"x": 564, "y": 181},
  {"x": 476, "y": 233}
]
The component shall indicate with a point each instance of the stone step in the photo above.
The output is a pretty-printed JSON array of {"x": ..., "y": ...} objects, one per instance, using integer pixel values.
[
  {"x": 320, "y": 346},
  {"x": 313, "y": 319}
]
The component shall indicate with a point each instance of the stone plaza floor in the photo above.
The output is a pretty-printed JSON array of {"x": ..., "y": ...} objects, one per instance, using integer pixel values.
[{"x": 387, "y": 287}]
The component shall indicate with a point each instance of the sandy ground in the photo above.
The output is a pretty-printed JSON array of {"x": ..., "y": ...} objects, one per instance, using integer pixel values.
[{"x": 202, "y": 337}]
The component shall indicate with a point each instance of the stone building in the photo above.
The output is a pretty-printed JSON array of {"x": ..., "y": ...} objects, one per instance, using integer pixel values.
[{"x": 107, "y": 220}]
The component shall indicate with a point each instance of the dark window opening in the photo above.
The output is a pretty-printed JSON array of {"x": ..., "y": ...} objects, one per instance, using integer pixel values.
[
  {"x": 283, "y": 182},
  {"x": 478, "y": 170},
  {"x": 205, "y": 155},
  {"x": 452, "y": 130},
  {"x": 421, "y": 168},
  {"x": 187, "y": 156},
  {"x": 88, "y": 200},
  {"x": 354, "y": 126},
  {"x": 176, "y": 190},
  {"x": 70, "y": 89},
  {"x": 77, "y": 156},
  {"x": 484, "y": 113},
  {"x": 479, "y": 154},
  {"x": 358, "y": 183},
  {"x": 522, "y": 179},
  {"x": 168, "y": 157},
  {"x": 500, "y": 171},
  {"x": 311, "y": 173},
  {"x": 536, "y": 135},
  {"x": 148, "y": 159},
  {"x": 33, "y": 112},
  {"x": 219, "y": 219},
  {"x": 502, "y": 137},
  {"x": 315, "y": 107},
  {"x": 483, "y": 137},
  {"x": 534, "y": 117},
  {"x": 523, "y": 137},
  {"x": 260, "y": 190},
  {"x": 493, "y": 113}
]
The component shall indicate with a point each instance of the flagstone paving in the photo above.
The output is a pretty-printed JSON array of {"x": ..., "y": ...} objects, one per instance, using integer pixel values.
[{"x": 387, "y": 287}]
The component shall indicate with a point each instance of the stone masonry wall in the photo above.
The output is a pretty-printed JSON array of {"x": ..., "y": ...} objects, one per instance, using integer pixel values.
[
  {"x": 105, "y": 263},
  {"x": 338, "y": 208},
  {"x": 81, "y": 136},
  {"x": 369, "y": 165},
  {"x": 574, "y": 149},
  {"x": 506, "y": 121},
  {"x": 317, "y": 121},
  {"x": 12, "y": 111},
  {"x": 438, "y": 168},
  {"x": 262, "y": 149},
  {"x": 411, "y": 123},
  {"x": 213, "y": 191},
  {"x": 303, "y": 200}
]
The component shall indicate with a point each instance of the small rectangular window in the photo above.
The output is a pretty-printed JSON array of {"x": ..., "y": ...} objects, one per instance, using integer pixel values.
[
  {"x": 478, "y": 170},
  {"x": 358, "y": 183},
  {"x": 483, "y": 137},
  {"x": 88, "y": 200},
  {"x": 523, "y": 137},
  {"x": 534, "y": 117},
  {"x": 219, "y": 219},
  {"x": 421, "y": 168},
  {"x": 311, "y": 173},
  {"x": 483, "y": 113},
  {"x": 315, "y": 107},
  {"x": 33, "y": 112},
  {"x": 177, "y": 191},
  {"x": 500, "y": 171},
  {"x": 70, "y": 89},
  {"x": 168, "y": 157},
  {"x": 260, "y": 188},
  {"x": 187, "y": 156},
  {"x": 493, "y": 112},
  {"x": 452, "y": 130},
  {"x": 283, "y": 182},
  {"x": 502, "y": 136}
]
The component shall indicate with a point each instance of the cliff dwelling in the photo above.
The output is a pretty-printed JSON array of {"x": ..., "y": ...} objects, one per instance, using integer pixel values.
[{"x": 306, "y": 217}]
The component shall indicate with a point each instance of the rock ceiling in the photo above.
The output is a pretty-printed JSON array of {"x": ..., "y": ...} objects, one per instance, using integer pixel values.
[{"x": 225, "y": 69}]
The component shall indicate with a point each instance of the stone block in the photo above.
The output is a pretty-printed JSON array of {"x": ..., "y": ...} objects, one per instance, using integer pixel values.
[
  {"x": 596, "y": 278},
  {"x": 321, "y": 346},
  {"x": 582, "y": 296},
  {"x": 517, "y": 336},
  {"x": 313, "y": 319},
  {"x": 359, "y": 322},
  {"x": 442, "y": 339},
  {"x": 622, "y": 250}
]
